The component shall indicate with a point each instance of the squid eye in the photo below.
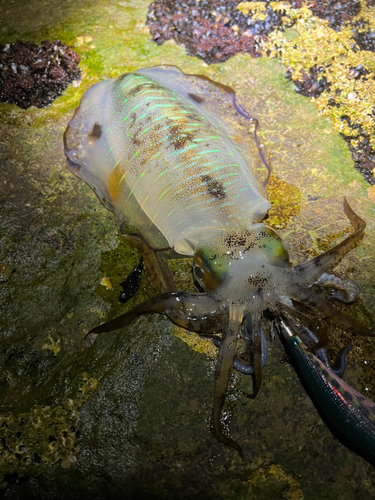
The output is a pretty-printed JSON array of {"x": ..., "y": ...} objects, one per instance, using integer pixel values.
[
  {"x": 205, "y": 274},
  {"x": 202, "y": 271},
  {"x": 199, "y": 274}
]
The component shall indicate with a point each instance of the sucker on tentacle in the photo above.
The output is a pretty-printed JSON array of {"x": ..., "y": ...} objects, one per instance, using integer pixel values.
[{"x": 346, "y": 291}]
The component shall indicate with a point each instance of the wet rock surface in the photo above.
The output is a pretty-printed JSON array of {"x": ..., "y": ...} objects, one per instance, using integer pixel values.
[
  {"x": 143, "y": 432},
  {"x": 34, "y": 76}
]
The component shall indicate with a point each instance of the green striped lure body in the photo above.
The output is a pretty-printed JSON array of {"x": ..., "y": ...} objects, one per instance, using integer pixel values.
[
  {"x": 160, "y": 150},
  {"x": 349, "y": 412}
]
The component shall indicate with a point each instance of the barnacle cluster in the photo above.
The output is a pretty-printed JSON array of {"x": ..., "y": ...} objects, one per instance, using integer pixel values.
[
  {"x": 34, "y": 76},
  {"x": 214, "y": 30},
  {"x": 43, "y": 436}
]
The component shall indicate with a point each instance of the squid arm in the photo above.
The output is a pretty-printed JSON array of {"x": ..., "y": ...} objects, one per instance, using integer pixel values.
[
  {"x": 254, "y": 330},
  {"x": 195, "y": 311},
  {"x": 326, "y": 311},
  {"x": 311, "y": 341},
  {"x": 346, "y": 291},
  {"x": 248, "y": 368},
  {"x": 223, "y": 371},
  {"x": 311, "y": 270}
]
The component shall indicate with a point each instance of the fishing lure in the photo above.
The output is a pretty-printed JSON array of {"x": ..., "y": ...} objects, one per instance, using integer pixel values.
[
  {"x": 176, "y": 159},
  {"x": 351, "y": 414}
]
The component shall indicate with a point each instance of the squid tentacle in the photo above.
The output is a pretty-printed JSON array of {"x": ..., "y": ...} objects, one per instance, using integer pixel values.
[
  {"x": 253, "y": 328},
  {"x": 237, "y": 365},
  {"x": 247, "y": 369},
  {"x": 310, "y": 271},
  {"x": 310, "y": 341},
  {"x": 340, "y": 360}
]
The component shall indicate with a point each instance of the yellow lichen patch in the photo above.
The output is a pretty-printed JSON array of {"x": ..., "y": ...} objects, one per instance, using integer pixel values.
[
  {"x": 246, "y": 7},
  {"x": 53, "y": 346},
  {"x": 263, "y": 478},
  {"x": 43, "y": 436},
  {"x": 286, "y": 202},
  {"x": 86, "y": 386},
  {"x": 107, "y": 283},
  {"x": 280, "y": 6},
  {"x": 332, "y": 52},
  {"x": 355, "y": 185},
  {"x": 259, "y": 16},
  {"x": 195, "y": 342},
  {"x": 371, "y": 193}
]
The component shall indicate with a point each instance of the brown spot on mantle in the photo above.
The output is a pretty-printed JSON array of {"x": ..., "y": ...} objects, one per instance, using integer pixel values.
[
  {"x": 96, "y": 132},
  {"x": 214, "y": 187}
]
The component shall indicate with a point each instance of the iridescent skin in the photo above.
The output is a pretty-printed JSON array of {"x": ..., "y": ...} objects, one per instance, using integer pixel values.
[
  {"x": 158, "y": 154},
  {"x": 172, "y": 156}
]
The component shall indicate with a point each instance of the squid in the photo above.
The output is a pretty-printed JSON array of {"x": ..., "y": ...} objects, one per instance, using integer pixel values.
[{"x": 180, "y": 162}]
